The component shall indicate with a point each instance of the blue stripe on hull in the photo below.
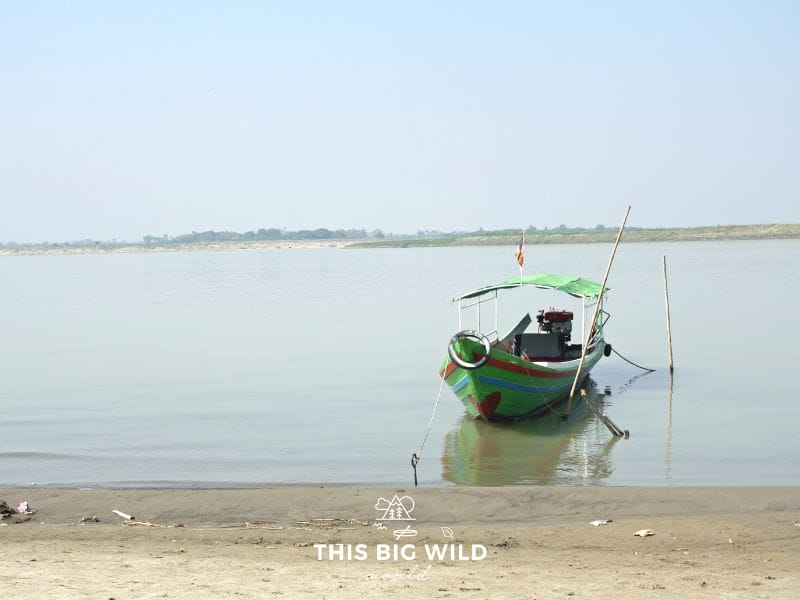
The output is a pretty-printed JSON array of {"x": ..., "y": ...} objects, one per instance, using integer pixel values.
[
  {"x": 460, "y": 384},
  {"x": 523, "y": 388},
  {"x": 464, "y": 381}
]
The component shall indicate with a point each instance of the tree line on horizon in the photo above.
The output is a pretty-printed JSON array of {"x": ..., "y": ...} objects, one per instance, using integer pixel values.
[
  {"x": 274, "y": 234},
  {"x": 263, "y": 234},
  {"x": 266, "y": 235}
]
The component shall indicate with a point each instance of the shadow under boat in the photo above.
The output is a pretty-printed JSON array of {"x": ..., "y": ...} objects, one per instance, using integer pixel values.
[{"x": 544, "y": 450}]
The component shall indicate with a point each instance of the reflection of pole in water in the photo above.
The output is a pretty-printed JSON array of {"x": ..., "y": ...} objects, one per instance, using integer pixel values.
[
  {"x": 668, "y": 440},
  {"x": 586, "y": 452},
  {"x": 585, "y": 456},
  {"x": 669, "y": 325}
]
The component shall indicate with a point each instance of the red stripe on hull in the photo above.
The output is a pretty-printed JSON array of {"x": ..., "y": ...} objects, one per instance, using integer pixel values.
[
  {"x": 448, "y": 370},
  {"x": 514, "y": 368},
  {"x": 509, "y": 366}
]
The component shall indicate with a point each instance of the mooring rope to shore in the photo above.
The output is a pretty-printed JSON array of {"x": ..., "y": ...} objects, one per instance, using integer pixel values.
[{"x": 417, "y": 456}]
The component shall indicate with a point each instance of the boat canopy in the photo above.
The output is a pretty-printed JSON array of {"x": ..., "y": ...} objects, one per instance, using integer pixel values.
[{"x": 574, "y": 286}]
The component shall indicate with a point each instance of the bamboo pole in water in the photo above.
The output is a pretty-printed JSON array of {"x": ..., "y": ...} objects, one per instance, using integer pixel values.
[
  {"x": 669, "y": 324},
  {"x": 593, "y": 322}
]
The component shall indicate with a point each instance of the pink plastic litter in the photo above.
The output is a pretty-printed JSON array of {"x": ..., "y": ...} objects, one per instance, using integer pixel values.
[{"x": 24, "y": 508}]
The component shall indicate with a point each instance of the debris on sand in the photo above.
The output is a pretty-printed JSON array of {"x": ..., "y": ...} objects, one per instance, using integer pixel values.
[
  {"x": 598, "y": 522},
  {"x": 90, "y": 519},
  {"x": 645, "y": 533},
  {"x": 6, "y": 511},
  {"x": 25, "y": 509},
  {"x": 15, "y": 516}
]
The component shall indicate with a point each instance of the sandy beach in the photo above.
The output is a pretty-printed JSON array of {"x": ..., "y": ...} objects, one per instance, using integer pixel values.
[{"x": 332, "y": 542}]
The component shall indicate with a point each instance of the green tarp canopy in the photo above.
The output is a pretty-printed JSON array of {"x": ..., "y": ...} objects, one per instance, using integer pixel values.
[{"x": 574, "y": 286}]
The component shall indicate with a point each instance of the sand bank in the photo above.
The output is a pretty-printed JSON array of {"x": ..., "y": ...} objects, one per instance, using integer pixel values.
[
  {"x": 60, "y": 249},
  {"x": 708, "y": 543}
]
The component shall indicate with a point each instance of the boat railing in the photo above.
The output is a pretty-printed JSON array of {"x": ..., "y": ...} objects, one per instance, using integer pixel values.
[{"x": 597, "y": 332}]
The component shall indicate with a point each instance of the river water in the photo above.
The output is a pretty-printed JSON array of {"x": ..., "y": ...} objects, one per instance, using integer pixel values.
[{"x": 280, "y": 366}]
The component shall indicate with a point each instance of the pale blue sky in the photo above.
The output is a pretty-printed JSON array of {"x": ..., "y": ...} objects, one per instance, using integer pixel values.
[{"x": 123, "y": 119}]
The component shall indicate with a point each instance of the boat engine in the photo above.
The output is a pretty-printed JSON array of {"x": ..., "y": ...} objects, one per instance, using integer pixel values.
[
  {"x": 556, "y": 321},
  {"x": 551, "y": 342}
]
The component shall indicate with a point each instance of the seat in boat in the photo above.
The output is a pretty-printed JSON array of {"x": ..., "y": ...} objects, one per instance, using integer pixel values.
[{"x": 506, "y": 343}]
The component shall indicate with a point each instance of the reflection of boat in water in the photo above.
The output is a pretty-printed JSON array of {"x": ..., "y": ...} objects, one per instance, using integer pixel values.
[{"x": 547, "y": 450}]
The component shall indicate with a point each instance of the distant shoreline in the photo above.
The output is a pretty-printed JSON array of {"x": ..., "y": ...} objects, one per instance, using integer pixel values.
[
  {"x": 676, "y": 234},
  {"x": 55, "y": 249}
]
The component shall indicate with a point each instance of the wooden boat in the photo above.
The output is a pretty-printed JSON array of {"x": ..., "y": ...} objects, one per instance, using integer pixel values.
[{"x": 531, "y": 368}]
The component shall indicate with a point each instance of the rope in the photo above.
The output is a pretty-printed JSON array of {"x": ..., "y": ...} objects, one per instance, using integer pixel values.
[
  {"x": 417, "y": 456},
  {"x": 631, "y": 362},
  {"x": 550, "y": 406},
  {"x": 623, "y": 388}
]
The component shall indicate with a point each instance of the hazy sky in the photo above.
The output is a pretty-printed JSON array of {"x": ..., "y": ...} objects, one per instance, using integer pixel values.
[{"x": 119, "y": 119}]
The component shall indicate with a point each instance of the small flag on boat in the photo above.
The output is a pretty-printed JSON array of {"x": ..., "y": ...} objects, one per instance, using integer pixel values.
[{"x": 520, "y": 253}]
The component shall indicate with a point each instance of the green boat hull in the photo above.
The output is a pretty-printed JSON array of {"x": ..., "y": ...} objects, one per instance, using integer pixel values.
[{"x": 507, "y": 387}]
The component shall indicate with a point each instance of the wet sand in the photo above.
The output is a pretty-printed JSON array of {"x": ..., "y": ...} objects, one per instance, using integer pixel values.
[{"x": 259, "y": 543}]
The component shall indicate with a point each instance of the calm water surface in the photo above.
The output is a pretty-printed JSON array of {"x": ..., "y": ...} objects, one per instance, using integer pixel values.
[{"x": 320, "y": 366}]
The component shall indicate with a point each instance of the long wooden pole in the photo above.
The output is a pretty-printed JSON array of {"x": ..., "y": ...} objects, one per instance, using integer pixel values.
[
  {"x": 593, "y": 322},
  {"x": 669, "y": 324}
]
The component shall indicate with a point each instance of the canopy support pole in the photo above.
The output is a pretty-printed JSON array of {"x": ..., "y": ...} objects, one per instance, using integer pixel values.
[
  {"x": 593, "y": 322},
  {"x": 583, "y": 317},
  {"x": 496, "y": 316}
]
